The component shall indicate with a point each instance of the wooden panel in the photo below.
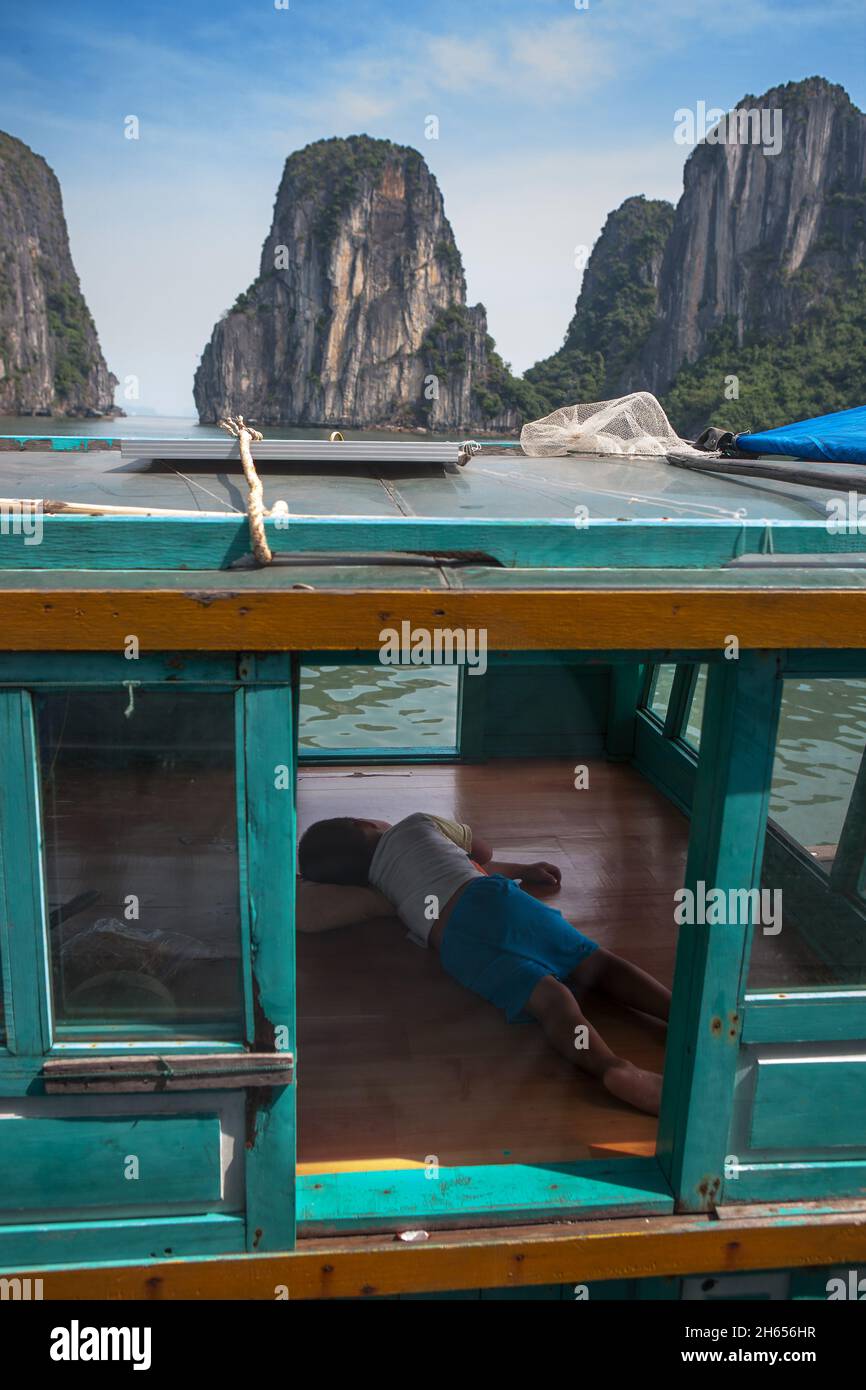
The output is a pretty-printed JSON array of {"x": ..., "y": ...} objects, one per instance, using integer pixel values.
[
  {"x": 46, "y": 1244},
  {"x": 814, "y": 1104},
  {"x": 626, "y": 683},
  {"x": 580, "y": 1252},
  {"x": 667, "y": 764},
  {"x": 242, "y": 619},
  {"x": 804, "y": 1016},
  {"x": 817, "y": 1183},
  {"x": 187, "y": 669},
  {"x": 64, "y": 1164},
  {"x": 543, "y": 711}
]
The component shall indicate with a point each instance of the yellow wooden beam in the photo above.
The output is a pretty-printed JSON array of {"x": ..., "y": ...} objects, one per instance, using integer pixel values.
[
  {"x": 295, "y": 620},
  {"x": 573, "y": 1254}
]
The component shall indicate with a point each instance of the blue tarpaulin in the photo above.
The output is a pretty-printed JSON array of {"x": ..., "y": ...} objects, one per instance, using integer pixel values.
[{"x": 836, "y": 438}]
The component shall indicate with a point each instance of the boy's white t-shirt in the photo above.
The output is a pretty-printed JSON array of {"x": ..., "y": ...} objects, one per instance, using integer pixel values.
[{"x": 419, "y": 864}]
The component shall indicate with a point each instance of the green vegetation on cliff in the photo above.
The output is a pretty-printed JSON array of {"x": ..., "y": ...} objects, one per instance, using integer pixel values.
[
  {"x": 72, "y": 331},
  {"x": 503, "y": 391},
  {"x": 497, "y": 390},
  {"x": 331, "y": 172},
  {"x": 616, "y": 309},
  {"x": 819, "y": 367}
]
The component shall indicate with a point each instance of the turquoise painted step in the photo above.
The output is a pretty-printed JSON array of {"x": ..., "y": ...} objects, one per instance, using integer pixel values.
[{"x": 407, "y": 1198}]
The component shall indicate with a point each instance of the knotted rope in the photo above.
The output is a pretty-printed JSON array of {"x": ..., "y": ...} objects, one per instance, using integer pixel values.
[{"x": 245, "y": 435}]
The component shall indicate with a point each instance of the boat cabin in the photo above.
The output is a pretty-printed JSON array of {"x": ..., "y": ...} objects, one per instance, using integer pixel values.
[{"x": 653, "y": 676}]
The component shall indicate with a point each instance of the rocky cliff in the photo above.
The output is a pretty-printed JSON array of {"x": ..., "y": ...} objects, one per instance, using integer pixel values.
[
  {"x": 617, "y": 308},
  {"x": 760, "y": 293},
  {"x": 358, "y": 316},
  {"x": 50, "y": 361}
]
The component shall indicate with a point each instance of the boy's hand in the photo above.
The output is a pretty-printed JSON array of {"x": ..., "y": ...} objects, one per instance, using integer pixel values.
[{"x": 542, "y": 872}]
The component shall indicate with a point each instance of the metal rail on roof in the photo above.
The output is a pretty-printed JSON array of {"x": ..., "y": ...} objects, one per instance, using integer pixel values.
[{"x": 332, "y": 453}]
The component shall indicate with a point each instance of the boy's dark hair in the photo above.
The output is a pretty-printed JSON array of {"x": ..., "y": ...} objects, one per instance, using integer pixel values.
[{"x": 336, "y": 851}]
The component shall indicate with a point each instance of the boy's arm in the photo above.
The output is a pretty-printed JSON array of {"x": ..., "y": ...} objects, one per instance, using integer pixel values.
[
  {"x": 324, "y": 906},
  {"x": 479, "y": 850},
  {"x": 547, "y": 875},
  {"x": 542, "y": 873}
]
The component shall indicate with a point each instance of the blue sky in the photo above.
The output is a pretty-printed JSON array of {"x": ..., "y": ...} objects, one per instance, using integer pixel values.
[{"x": 549, "y": 116}]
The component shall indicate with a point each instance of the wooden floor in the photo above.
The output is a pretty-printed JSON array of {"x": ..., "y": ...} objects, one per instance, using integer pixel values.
[{"x": 397, "y": 1062}]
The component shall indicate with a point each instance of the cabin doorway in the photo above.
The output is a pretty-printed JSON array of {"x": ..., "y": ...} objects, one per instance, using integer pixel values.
[{"x": 400, "y": 1062}]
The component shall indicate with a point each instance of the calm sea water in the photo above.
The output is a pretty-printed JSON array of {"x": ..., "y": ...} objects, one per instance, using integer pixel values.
[
  {"x": 821, "y": 735},
  {"x": 173, "y": 427},
  {"x": 373, "y": 708}
]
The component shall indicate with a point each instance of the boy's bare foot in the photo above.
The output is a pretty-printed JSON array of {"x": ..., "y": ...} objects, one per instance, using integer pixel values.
[{"x": 642, "y": 1089}]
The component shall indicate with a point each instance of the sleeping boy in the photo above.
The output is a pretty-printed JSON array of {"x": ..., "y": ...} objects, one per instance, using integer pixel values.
[{"x": 516, "y": 952}]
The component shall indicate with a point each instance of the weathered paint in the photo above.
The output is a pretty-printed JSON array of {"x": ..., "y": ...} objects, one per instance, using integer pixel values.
[{"x": 269, "y": 824}]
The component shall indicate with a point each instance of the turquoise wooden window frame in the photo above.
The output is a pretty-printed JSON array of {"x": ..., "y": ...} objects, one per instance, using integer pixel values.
[
  {"x": 265, "y": 694},
  {"x": 821, "y": 1015}
]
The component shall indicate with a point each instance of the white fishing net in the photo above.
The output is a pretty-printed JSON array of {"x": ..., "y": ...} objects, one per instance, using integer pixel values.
[{"x": 633, "y": 425}]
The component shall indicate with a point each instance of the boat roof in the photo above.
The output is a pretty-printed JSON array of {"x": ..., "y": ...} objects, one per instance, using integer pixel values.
[{"x": 497, "y": 483}]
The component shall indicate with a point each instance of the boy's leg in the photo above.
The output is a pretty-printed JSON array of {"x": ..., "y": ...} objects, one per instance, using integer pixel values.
[
  {"x": 560, "y": 1015},
  {"x": 612, "y": 975}
]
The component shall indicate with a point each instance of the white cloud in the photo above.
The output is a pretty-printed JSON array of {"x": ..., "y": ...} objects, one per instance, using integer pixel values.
[{"x": 561, "y": 60}]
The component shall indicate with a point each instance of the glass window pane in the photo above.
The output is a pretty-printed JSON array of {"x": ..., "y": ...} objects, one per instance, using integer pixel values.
[
  {"x": 141, "y": 858},
  {"x": 375, "y": 708},
  {"x": 814, "y": 852},
  {"x": 661, "y": 690},
  {"x": 2, "y": 1005},
  {"x": 692, "y": 734}
]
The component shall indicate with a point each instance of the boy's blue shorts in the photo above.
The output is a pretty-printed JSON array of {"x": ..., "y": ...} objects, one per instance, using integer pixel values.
[{"x": 500, "y": 942}]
